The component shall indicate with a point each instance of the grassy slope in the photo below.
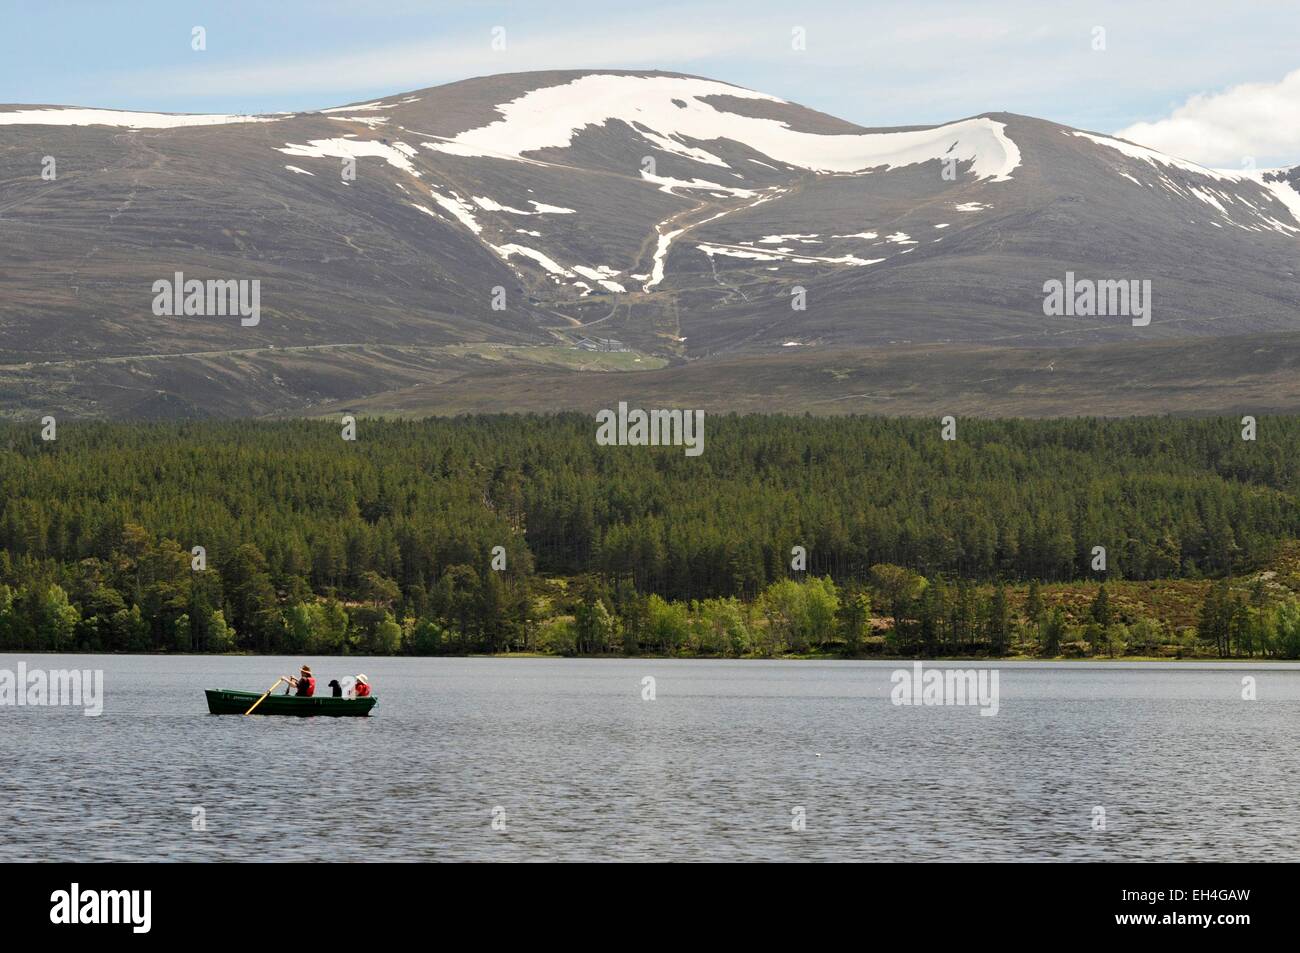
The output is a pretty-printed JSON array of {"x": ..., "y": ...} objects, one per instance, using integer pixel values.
[{"x": 1253, "y": 374}]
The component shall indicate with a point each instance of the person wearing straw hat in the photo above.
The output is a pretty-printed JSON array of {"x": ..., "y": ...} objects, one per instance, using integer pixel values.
[
  {"x": 305, "y": 683},
  {"x": 363, "y": 687}
]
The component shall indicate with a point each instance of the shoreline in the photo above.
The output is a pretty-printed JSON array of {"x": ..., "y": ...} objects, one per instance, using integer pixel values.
[{"x": 907, "y": 659}]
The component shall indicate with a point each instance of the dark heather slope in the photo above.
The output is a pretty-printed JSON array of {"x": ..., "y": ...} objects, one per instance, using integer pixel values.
[{"x": 448, "y": 263}]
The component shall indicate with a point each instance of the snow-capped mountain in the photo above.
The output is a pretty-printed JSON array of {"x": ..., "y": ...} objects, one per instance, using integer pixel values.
[{"x": 683, "y": 218}]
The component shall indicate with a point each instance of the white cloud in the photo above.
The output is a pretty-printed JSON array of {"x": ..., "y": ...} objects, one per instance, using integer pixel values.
[{"x": 1259, "y": 121}]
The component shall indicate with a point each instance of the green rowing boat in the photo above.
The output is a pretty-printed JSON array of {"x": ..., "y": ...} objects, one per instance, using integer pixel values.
[{"x": 223, "y": 701}]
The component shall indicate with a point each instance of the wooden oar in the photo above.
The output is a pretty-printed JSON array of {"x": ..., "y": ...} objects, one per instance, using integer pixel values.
[{"x": 268, "y": 691}]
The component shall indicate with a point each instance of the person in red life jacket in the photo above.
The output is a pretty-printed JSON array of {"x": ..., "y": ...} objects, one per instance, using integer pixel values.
[
  {"x": 363, "y": 687},
  {"x": 304, "y": 683}
]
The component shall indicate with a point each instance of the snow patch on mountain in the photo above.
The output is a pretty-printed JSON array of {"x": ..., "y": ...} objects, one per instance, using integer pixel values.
[
  {"x": 362, "y": 107},
  {"x": 348, "y": 147},
  {"x": 674, "y": 147},
  {"x": 463, "y": 212},
  {"x": 369, "y": 121},
  {"x": 661, "y": 257},
  {"x": 1134, "y": 151},
  {"x": 378, "y": 104},
  {"x": 600, "y": 276},
  {"x": 1208, "y": 198},
  {"x": 733, "y": 252},
  {"x": 668, "y": 110},
  {"x": 538, "y": 208},
  {"x": 781, "y": 254},
  {"x": 70, "y": 116},
  {"x": 459, "y": 209},
  {"x": 491, "y": 205},
  {"x": 667, "y": 185},
  {"x": 505, "y": 251},
  {"x": 1282, "y": 191}
]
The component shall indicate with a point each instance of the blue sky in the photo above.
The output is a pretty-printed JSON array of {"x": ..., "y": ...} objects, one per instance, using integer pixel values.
[{"x": 875, "y": 63}]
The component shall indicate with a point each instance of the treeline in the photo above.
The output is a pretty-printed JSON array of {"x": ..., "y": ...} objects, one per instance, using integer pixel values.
[
  {"x": 589, "y": 616},
  {"x": 386, "y": 544}
]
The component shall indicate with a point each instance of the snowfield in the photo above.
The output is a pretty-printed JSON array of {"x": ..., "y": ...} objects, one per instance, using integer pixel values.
[
  {"x": 71, "y": 116},
  {"x": 395, "y": 155},
  {"x": 1214, "y": 198},
  {"x": 666, "y": 110}
]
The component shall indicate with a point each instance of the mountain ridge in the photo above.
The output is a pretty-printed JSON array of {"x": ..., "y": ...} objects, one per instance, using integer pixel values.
[{"x": 637, "y": 228}]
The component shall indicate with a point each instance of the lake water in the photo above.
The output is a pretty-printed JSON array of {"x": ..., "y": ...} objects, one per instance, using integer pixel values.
[{"x": 578, "y": 766}]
